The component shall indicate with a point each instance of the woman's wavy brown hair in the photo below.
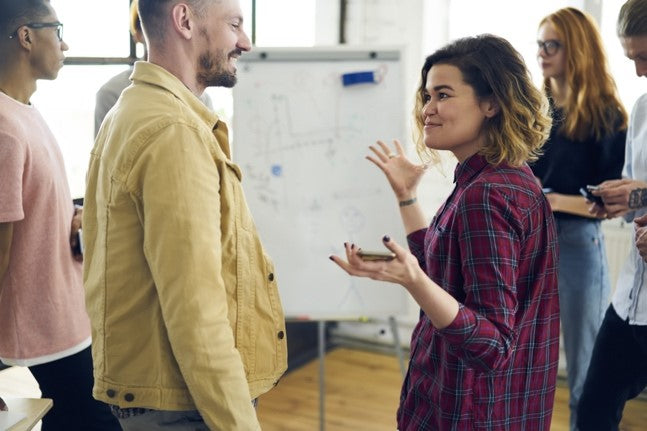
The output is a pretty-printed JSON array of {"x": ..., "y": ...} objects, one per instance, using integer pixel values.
[
  {"x": 496, "y": 71},
  {"x": 592, "y": 107}
]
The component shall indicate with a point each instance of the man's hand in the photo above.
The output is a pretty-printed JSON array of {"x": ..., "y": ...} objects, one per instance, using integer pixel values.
[{"x": 616, "y": 196}]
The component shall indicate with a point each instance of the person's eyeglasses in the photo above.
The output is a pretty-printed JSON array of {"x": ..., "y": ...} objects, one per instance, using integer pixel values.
[
  {"x": 550, "y": 46},
  {"x": 37, "y": 25}
]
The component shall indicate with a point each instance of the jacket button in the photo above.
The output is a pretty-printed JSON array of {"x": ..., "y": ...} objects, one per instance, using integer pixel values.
[
  {"x": 129, "y": 397},
  {"x": 281, "y": 335},
  {"x": 111, "y": 393},
  {"x": 271, "y": 276}
]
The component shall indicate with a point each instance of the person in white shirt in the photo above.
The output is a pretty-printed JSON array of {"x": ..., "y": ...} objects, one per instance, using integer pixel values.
[{"x": 618, "y": 368}]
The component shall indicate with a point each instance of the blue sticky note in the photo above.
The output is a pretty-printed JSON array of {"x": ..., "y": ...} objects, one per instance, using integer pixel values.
[{"x": 354, "y": 78}]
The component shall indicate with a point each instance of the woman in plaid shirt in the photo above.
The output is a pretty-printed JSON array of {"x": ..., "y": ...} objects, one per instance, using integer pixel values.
[{"x": 484, "y": 353}]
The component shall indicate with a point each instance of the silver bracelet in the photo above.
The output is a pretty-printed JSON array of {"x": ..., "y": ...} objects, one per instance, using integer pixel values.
[{"x": 408, "y": 202}]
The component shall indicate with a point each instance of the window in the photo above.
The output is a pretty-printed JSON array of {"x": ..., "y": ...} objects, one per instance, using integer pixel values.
[
  {"x": 95, "y": 28},
  {"x": 67, "y": 104},
  {"x": 285, "y": 23}
]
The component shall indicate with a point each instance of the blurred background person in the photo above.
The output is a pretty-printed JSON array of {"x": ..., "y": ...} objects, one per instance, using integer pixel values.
[
  {"x": 618, "y": 369},
  {"x": 586, "y": 147}
]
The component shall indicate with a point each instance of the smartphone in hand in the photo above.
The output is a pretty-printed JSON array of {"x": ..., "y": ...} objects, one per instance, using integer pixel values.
[
  {"x": 374, "y": 256},
  {"x": 586, "y": 192}
]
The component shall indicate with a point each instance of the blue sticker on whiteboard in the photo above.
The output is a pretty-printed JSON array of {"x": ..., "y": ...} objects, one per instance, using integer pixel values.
[
  {"x": 354, "y": 78},
  {"x": 277, "y": 170}
]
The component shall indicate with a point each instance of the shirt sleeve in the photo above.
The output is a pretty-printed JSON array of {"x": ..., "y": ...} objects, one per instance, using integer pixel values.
[
  {"x": 627, "y": 169},
  {"x": 178, "y": 187},
  {"x": 13, "y": 156},
  {"x": 488, "y": 228}
]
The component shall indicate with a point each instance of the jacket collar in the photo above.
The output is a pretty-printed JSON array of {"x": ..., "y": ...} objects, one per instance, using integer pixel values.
[{"x": 153, "y": 74}]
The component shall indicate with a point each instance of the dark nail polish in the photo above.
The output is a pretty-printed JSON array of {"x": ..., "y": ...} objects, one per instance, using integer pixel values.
[
  {"x": 386, "y": 238},
  {"x": 345, "y": 244},
  {"x": 330, "y": 257},
  {"x": 352, "y": 246}
]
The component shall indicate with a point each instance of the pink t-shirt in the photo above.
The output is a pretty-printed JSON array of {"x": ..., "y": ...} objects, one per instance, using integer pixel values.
[{"x": 42, "y": 308}]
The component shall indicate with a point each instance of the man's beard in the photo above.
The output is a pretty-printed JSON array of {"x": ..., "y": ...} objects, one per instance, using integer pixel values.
[{"x": 211, "y": 70}]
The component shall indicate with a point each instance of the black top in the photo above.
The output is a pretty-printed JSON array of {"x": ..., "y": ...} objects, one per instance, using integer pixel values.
[{"x": 567, "y": 165}]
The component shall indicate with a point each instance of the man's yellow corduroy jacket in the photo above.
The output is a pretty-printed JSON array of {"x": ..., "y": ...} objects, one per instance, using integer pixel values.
[{"x": 183, "y": 300}]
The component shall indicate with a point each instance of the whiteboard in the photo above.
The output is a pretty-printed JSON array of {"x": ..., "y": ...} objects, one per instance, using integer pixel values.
[{"x": 301, "y": 138}]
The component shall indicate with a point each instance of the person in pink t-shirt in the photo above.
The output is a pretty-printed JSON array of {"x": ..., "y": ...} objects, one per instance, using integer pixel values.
[{"x": 43, "y": 322}]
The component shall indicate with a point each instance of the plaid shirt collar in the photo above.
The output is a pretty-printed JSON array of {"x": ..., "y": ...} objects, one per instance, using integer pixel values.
[{"x": 466, "y": 171}]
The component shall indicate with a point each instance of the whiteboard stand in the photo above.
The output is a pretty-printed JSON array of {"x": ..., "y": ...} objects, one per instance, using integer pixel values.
[
  {"x": 322, "y": 375},
  {"x": 322, "y": 369}
]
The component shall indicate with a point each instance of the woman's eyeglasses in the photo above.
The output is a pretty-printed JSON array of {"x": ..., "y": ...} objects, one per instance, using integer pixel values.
[
  {"x": 550, "y": 46},
  {"x": 37, "y": 25}
]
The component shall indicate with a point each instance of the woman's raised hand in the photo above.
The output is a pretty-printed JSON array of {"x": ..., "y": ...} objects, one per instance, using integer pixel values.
[{"x": 403, "y": 175}]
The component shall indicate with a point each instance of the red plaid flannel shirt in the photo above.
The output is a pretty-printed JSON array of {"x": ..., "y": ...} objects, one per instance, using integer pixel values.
[{"x": 493, "y": 246}]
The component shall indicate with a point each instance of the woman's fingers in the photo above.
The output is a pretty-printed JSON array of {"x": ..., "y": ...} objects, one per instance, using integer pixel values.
[
  {"x": 393, "y": 246},
  {"x": 387, "y": 153},
  {"x": 385, "y": 148},
  {"x": 351, "y": 269},
  {"x": 380, "y": 155},
  {"x": 384, "y": 153},
  {"x": 398, "y": 147}
]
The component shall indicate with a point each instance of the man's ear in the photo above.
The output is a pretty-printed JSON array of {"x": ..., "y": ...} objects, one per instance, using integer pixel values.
[
  {"x": 183, "y": 21},
  {"x": 24, "y": 36},
  {"x": 490, "y": 107}
]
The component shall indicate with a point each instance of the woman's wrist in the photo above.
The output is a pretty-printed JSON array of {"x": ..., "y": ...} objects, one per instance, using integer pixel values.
[
  {"x": 406, "y": 196},
  {"x": 407, "y": 202}
]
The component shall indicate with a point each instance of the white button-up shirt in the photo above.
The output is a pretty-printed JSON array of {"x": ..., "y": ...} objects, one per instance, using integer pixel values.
[{"x": 630, "y": 297}]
